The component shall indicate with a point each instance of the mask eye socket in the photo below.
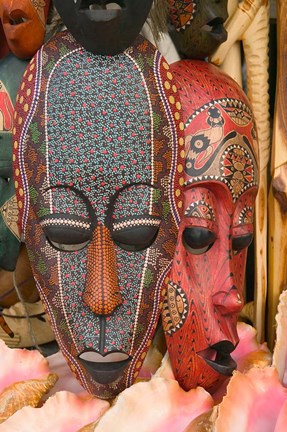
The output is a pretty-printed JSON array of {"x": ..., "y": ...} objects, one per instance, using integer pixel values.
[
  {"x": 241, "y": 242},
  {"x": 198, "y": 240},
  {"x": 67, "y": 235},
  {"x": 131, "y": 236},
  {"x": 62, "y": 247}
]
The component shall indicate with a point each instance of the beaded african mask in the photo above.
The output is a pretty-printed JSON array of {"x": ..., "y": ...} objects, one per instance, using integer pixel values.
[
  {"x": 205, "y": 291},
  {"x": 24, "y": 25},
  {"x": 196, "y": 27},
  {"x": 104, "y": 27},
  {"x": 98, "y": 187}
]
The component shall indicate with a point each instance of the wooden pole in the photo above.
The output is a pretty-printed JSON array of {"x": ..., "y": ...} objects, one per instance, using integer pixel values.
[
  {"x": 277, "y": 203},
  {"x": 250, "y": 23}
]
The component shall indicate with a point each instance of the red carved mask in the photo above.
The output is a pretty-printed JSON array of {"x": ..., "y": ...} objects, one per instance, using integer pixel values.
[
  {"x": 24, "y": 25},
  {"x": 97, "y": 175},
  {"x": 205, "y": 291}
]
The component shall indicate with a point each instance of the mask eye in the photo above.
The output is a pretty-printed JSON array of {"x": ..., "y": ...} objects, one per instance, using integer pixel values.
[
  {"x": 67, "y": 235},
  {"x": 134, "y": 237},
  {"x": 242, "y": 242},
  {"x": 68, "y": 247},
  {"x": 198, "y": 240}
]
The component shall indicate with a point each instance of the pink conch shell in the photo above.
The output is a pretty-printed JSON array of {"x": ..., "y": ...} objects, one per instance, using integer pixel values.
[
  {"x": 165, "y": 369},
  {"x": 24, "y": 378},
  {"x": 67, "y": 380},
  {"x": 282, "y": 419},
  {"x": 249, "y": 352},
  {"x": 255, "y": 402},
  {"x": 280, "y": 349},
  {"x": 17, "y": 364},
  {"x": 159, "y": 405},
  {"x": 154, "y": 356},
  {"x": 63, "y": 412},
  {"x": 24, "y": 393},
  {"x": 202, "y": 423},
  {"x": 150, "y": 365}
]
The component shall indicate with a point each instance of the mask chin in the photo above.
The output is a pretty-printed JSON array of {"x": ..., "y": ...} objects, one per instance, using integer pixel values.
[{"x": 104, "y": 27}]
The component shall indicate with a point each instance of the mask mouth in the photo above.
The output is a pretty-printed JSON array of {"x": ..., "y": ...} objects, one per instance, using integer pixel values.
[
  {"x": 106, "y": 368},
  {"x": 216, "y": 29},
  {"x": 218, "y": 357},
  {"x": 101, "y": 10}
]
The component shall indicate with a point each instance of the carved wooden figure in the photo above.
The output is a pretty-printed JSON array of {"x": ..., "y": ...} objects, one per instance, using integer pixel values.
[
  {"x": 249, "y": 23},
  {"x": 196, "y": 26},
  {"x": 104, "y": 27},
  {"x": 97, "y": 170},
  {"x": 24, "y": 25},
  {"x": 277, "y": 201},
  {"x": 205, "y": 289}
]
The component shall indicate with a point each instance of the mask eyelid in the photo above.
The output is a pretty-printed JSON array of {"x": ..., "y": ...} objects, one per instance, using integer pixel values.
[
  {"x": 64, "y": 233},
  {"x": 190, "y": 222},
  {"x": 242, "y": 229},
  {"x": 132, "y": 222}
]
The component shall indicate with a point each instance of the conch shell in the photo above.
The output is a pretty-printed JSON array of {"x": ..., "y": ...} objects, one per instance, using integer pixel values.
[
  {"x": 255, "y": 401},
  {"x": 63, "y": 412},
  {"x": 24, "y": 378},
  {"x": 159, "y": 405},
  {"x": 249, "y": 353},
  {"x": 280, "y": 349}
]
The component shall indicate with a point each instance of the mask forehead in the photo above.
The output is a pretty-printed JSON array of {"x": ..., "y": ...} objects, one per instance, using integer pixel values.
[
  {"x": 220, "y": 132},
  {"x": 219, "y": 146},
  {"x": 83, "y": 127},
  {"x": 104, "y": 27},
  {"x": 104, "y": 136}
]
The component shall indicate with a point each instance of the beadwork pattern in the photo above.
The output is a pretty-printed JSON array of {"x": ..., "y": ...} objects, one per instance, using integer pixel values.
[{"x": 99, "y": 143}]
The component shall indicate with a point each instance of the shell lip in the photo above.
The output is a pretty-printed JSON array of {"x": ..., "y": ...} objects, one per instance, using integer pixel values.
[
  {"x": 104, "y": 368},
  {"x": 218, "y": 357}
]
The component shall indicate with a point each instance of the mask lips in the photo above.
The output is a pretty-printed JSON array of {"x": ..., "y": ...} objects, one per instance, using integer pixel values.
[
  {"x": 218, "y": 357},
  {"x": 104, "y": 368}
]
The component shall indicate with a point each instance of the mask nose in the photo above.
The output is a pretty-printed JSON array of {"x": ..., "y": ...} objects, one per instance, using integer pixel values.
[
  {"x": 102, "y": 293},
  {"x": 228, "y": 301}
]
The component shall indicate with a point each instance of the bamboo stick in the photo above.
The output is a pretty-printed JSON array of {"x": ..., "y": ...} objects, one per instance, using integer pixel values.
[
  {"x": 277, "y": 239},
  {"x": 250, "y": 23}
]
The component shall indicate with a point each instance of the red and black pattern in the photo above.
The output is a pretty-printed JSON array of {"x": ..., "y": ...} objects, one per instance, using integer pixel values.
[
  {"x": 208, "y": 270},
  {"x": 181, "y": 12}
]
